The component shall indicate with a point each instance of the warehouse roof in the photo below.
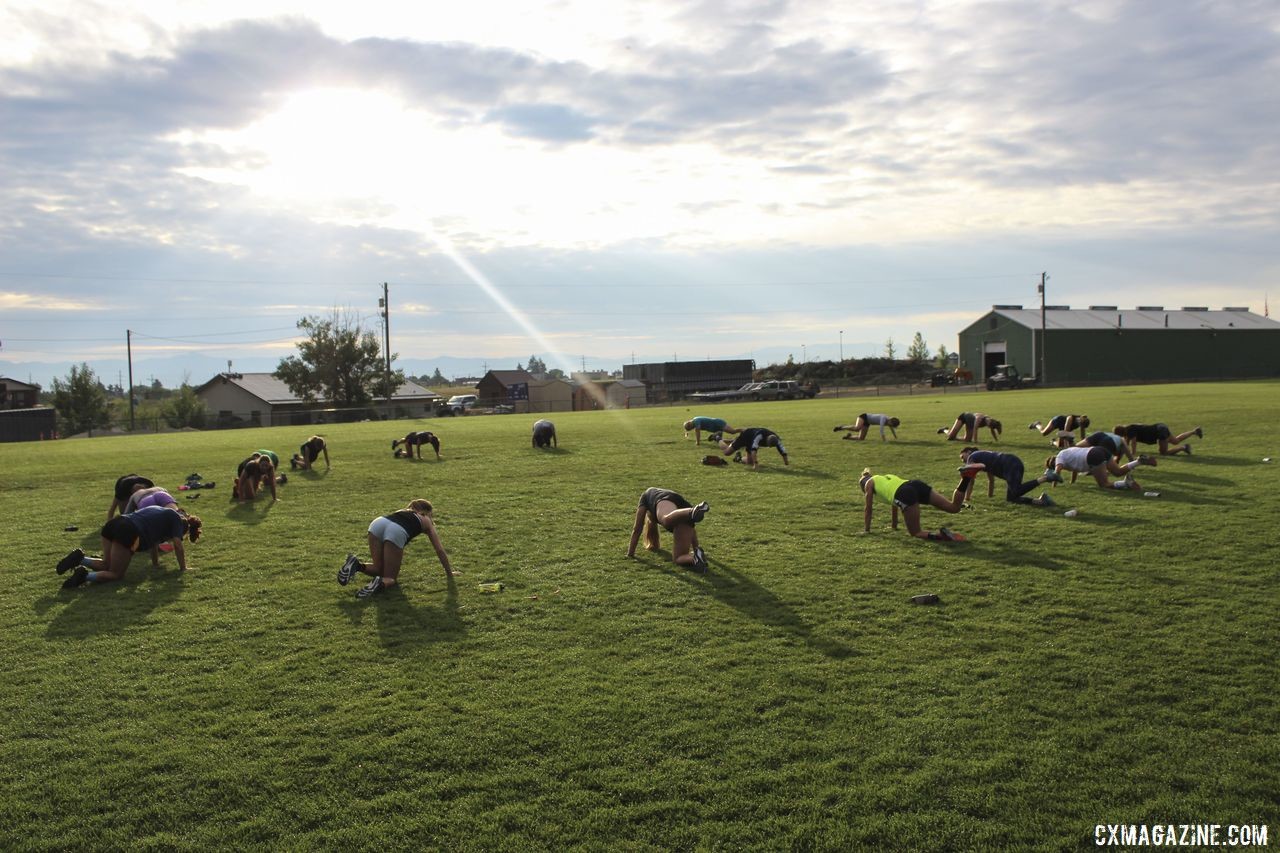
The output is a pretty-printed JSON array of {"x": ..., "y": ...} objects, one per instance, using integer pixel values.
[
  {"x": 1142, "y": 317},
  {"x": 269, "y": 389}
]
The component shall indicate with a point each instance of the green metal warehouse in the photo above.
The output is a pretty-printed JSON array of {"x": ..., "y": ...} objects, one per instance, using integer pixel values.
[{"x": 1108, "y": 344}]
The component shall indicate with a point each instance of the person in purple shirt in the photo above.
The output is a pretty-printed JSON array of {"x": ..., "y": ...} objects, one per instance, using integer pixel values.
[{"x": 123, "y": 536}]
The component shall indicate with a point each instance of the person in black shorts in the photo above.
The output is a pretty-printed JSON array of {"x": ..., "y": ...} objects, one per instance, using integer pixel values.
[
  {"x": 1007, "y": 467},
  {"x": 1157, "y": 434},
  {"x": 670, "y": 510},
  {"x": 1109, "y": 440},
  {"x": 309, "y": 452},
  {"x": 389, "y": 535},
  {"x": 544, "y": 434},
  {"x": 1062, "y": 423},
  {"x": 415, "y": 440},
  {"x": 125, "y": 487},
  {"x": 863, "y": 423},
  {"x": 972, "y": 422},
  {"x": 751, "y": 440},
  {"x": 252, "y": 474},
  {"x": 1097, "y": 462},
  {"x": 908, "y": 496},
  {"x": 125, "y": 535}
]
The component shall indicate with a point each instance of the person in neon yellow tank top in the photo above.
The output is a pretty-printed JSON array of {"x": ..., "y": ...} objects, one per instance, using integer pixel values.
[{"x": 908, "y": 495}]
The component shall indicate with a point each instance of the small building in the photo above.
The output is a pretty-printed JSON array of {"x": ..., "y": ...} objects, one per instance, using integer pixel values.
[
  {"x": 1105, "y": 343},
  {"x": 673, "y": 380},
  {"x": 260, "y": 399},
  {"x": 16, "y": 394},
  {"x": 550, "y": 395},
  {"x": 504, "y": 387},
  {"x": 625, "y": 393}
]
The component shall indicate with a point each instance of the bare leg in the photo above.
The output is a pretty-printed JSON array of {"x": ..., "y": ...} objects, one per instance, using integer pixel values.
[
  {"x": 682, "y": 545},
  {"x": 392, "y": 557},
  {"x": 117, "y": 559},
  {"x": 374, "y": 566}
]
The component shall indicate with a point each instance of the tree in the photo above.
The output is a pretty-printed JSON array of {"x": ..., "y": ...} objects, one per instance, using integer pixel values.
[
  {"x": 536, "y": 365},
  {"x": 184, "y": 409},
  {"x": 944, "y": 358},
  {"x": 918, "y": 352},
  {"x": 339, "y": 362},
  {"x": 438, "y": 378},
  {"x": 81, "y": 401},
  {"x": 890, "y": 351}
]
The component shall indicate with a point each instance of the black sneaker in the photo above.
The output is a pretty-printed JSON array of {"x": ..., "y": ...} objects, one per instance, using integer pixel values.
[
  {"x": 69, "y": 562},
  {"x": 942, "y": 430},
  {"x": 293, "y": 464},
  {"x": 394, "y": 442},
  {"x": 699, "y": 559},
  {"x": 700, "y": 510},
  {"x": 79, "y": 576},
  {"x": 836, "y": 429},
  {"x": 1199, "y": 432},
  {"x": 373, "y": 587},
  {"x": 282, "y": 479},
  {"x": 348, "y": 570}
]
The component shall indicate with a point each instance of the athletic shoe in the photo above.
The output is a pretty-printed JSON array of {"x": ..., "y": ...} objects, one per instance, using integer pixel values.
[
  {"x": 79, "y": 576},
  {"x": 700, "y": 559},
  {"x": 1199, "y": 432},
  {"x": 971, "y": 470},
  {"x": 700, "y": 510},
  {"x": 282, "y": 479},
  {"x": 837, "y": 429},
  {"x": 1035, "y": 425},
  {"x": 1187, "y": 447},
  {"x": 70, "y": 561},
  {"x": 949, "y": 536},
  {"x": 373, "y": 587},
  {"x": 293, "y": 464},
  {"x": 1052, "y": 476},
  {"x": 1147, "y": 460},
  {"x": 1045, "y": 500},
  {"x": 942, "y": 430},
  {"x": 394, "y": 442},
  {"x": 348, "y": 570},
  {"x": 715, "y": 436}
]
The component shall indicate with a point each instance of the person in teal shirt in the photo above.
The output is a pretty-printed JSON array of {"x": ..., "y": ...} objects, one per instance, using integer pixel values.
[{"x": 713, "y": 426}]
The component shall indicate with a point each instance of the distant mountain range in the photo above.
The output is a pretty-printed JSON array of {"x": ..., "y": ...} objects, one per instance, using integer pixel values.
[{"x": 172, "y": 371}]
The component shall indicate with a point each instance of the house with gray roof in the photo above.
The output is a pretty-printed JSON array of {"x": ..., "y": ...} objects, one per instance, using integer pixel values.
[{"x": 260, "y": 399}]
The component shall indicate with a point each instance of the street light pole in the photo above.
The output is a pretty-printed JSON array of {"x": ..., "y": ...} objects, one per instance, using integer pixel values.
[{"x": 1044, "y": 278}]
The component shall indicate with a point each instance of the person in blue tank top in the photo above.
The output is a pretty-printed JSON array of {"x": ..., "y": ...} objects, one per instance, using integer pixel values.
[
  {"x": 123, "y": 536},
  {"x": 1007, "y": 467},
  {"x": 389, "y": 535}
]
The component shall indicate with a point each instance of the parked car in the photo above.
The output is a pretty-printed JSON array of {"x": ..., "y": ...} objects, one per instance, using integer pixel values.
[
  {"x": 459, "y": 404},
  {"x": 1007, "y": 377},
  {"x": 779, "y": 389},
  {"x": 729, "y": 394}
]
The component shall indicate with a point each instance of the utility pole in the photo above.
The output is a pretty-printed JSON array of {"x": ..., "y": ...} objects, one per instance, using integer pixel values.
[
  {"x": 385, "y": 304},
  {"x": 128, "y": 346},
  {"x": 1044, "y": 278}
]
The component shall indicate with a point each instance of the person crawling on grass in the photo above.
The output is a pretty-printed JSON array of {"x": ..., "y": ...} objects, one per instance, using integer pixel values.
[
  {"x": 663, "y": 507},
  {"x": 1097, "y": 462},
  {"x": 1109, "y": 440},
  {"x": 907, "y": 496},
  {"x": 752, "y": 439},
  {"x": 864, "y": 422},
  {"x": 1157, "y": 434},
  {"x": 310, "y": 451},
  {"x": 126, "y": 486},
  {"x": 144, "y": 530},
  {"x": 714, "y": 427},
  {"x": 153, "y": 496},
  {"x": 544, "y": 434},
  {"x": 972, "y": 422},
  {"x": 1007, "y": 467},
  {"x": 415, "y": 440},
  {"x": 252, "y": 474},
  {"x": 389, "y": 535},
  {"x": 1061, "y": 423}
]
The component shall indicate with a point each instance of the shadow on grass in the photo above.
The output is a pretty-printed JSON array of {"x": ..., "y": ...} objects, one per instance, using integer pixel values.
[
  {"x": 987, "y": 553},
  {"x": 401, "y": 624},
  {"x": 1224, "y": 461},
  {"x": 791, "y": 471},
  {"x": 248, "y": 512},
  {"x": 313, "y": 474},
  {"x": 742, "y": 593},
  {"x": 1190, "y": 478},
  {"x": 555, "y": 451},
  {"x": 106, "y": 608}
]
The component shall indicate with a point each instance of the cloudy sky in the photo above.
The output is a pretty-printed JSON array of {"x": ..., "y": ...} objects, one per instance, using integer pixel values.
[{"x": 609, "y": 179}]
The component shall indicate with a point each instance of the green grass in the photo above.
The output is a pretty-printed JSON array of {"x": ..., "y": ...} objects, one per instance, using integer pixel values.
[{"x": 1117, "y": 667}]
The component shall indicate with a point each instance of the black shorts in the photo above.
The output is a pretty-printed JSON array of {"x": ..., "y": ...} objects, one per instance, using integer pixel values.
[
  {"x": 125, "y": 485},
  {"x": 122, "y": 531},
  {"x": 911, "y": 493},
  {"x": 967, "y": 418},
  {"x": 309, "y": 453},
  {"x": 862, "y": 417},
  {"x": 1098, "y": 456},
  {"x": 1058, "y": 422},
  {"x": 1162, "y": 432}
]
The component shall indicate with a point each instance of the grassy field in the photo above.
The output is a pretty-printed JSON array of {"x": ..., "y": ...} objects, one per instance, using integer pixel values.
[{"x": 1117, "y": 667}]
